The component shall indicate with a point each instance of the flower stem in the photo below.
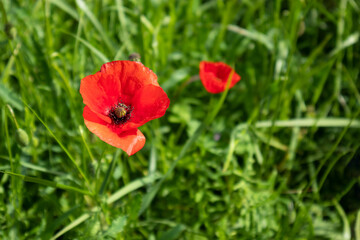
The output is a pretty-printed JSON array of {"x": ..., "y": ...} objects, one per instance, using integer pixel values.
[
  {"x": 148, "y": 198},
  {"x": 218, "y": 106},
  {"x": 109, "y": 172},
  {"x": 13, "y": 116}
]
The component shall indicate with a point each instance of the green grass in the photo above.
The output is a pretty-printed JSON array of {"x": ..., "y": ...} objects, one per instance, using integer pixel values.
[{"x": 276, "y": 157}]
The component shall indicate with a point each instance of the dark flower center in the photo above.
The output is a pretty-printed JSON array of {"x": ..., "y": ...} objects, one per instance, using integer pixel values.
[{"x": 120, "y": 113}]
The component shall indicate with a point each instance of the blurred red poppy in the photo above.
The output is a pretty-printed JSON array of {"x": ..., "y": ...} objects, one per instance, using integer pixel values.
[
  {"x": 119, "y": 98},
  {"x": 214, "y": 76}
]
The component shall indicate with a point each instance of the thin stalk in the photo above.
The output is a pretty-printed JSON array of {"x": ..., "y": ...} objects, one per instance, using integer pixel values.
[
  {"x": 109, "y": 172},
  {"x": 149, "y": 197},
  {"x": 61, "y": 145}
]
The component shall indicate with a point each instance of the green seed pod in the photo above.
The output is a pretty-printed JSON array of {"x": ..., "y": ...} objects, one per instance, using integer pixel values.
[
  {"x": 21, "y": 137},
  {"x": 35, "y": 141},
  {"x": 135, "y": 57},
  {"x": 10, "y": 31}
]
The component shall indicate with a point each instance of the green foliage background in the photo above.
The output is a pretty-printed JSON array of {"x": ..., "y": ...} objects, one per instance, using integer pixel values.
[{"x": 280, "y": 160}]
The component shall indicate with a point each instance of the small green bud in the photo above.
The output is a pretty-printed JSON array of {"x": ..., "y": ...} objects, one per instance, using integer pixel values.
[
  {"x": 35, "y": 141},
  {"x": 21, "y": 137},
  {"x": 10, "y": 31},
  {"x": 135, "y": 57}
]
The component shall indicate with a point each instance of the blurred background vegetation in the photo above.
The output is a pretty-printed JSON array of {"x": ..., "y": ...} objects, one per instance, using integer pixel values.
[{"x": 281, "y": 160}]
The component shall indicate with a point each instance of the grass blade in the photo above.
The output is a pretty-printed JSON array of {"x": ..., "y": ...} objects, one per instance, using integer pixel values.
[
  {"x": 311, "y": 122},
  {"x": 131, "y": 187},
  {"x": 52, "y": 226},
  {"x": 101, "y": 56},
  {"x": 357, "y": 226},
  {"x": 72, "y": 225},
  {"x": 108, "y": 173},
  {"x": 173, "y": 233},
  {"x": 10, "y": 97},
  {"x": 48, "y": 183},
  {"x": 331, "y": 165},
  {"x": 82, "y": 5},
  {"x": 230, "y": 153},
  {"x": 271, "y": 140},
  {"x": 114, "y": 197},
  {"x": 351, "y": 40},
  {"x": 123, "y": 22},
  {"x": 81, "y": 130},
  {"x": 253, "y": 35},
  {"x": 35, "y": 167},
  {"x": 346, "y": 228},
  {"x": 60, "y": 143},
  {"x": 66, "y": 8}
]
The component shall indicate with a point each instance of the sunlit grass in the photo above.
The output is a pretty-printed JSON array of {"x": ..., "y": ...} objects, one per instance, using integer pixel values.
[{"x": 276, "y": 157}]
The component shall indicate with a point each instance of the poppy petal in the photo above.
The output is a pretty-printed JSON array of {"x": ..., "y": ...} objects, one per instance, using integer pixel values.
[
  {"x": 100, "y": 92},
  {"x": 130, "y": 141},
  {"x": 149, "y": 102},
  {"x": 132, "y": 75},
  {"x": 214, "y": 76}
]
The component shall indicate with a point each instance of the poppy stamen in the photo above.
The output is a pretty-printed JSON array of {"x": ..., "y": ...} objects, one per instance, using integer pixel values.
[{"x": 120, "y": 113}]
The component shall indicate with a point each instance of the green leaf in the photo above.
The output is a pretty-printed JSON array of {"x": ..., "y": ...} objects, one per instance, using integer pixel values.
[
  {"x": 10, "y": 97},
  {"x": 116, "y": 227},
  {"x": 173, "y": 233}
]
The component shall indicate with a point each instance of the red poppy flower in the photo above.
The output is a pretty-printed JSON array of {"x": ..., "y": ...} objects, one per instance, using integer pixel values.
[
  {"x": 214, "y": 76},
  {"x": 119, "y": 98}
]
